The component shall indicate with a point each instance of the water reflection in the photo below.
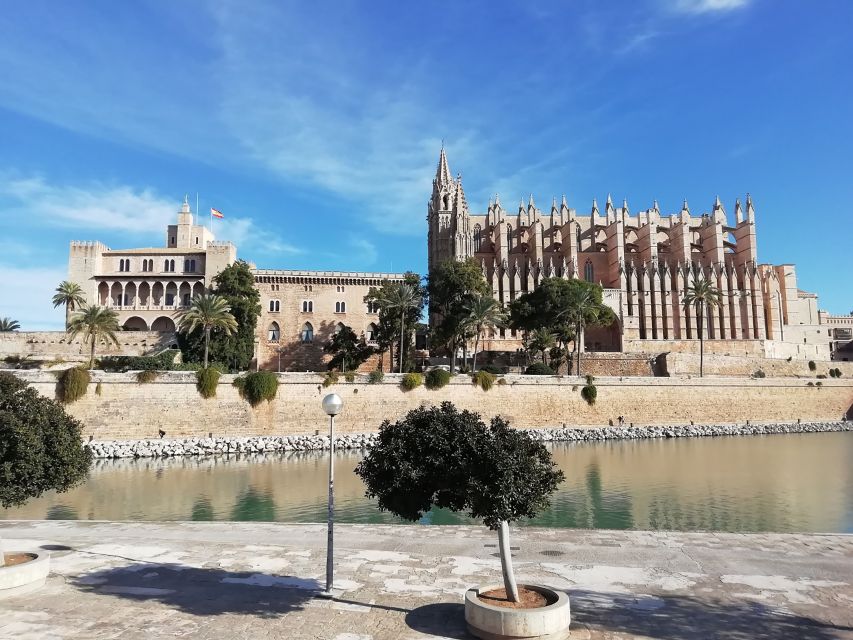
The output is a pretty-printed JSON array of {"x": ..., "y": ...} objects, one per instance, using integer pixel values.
[{"x": 762, "y": 483}]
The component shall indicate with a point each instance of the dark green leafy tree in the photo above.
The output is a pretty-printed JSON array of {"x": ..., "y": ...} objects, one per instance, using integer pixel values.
[
  {"x": 348, "y": 350},
  {"x": 391, "y": 315},
  {"x": 452, "y": 287},
  {"x": 445, "y": 458},
  {"x": 40, "y": 445},
  {"x": 208, "y": 312},
  {"x": 236, "y": 285}
]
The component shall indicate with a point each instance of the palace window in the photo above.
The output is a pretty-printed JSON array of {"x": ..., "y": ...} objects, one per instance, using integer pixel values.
[
  {"x": 370, "y": 334},
  {"x": 340, "y": 307},
  {"x": 275, "y": 305},
  {"x": 273, "y": 333},
  {"x": 186, "y": 299},
  {"x": 307, "y": 306},
  {"x": 169, "y": 266},
  {"x": 307, "y": 333},
  {"x": 588, "y": 271},
  {"x": 170, "y": 299},
  {"x": 339, "y": 289},
  {"x": 373, "y": 306},
  {"x": 478, "y": 237}
]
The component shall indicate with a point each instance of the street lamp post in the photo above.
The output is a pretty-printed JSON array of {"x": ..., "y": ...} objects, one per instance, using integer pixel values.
[{"x": 332, "y": 405}]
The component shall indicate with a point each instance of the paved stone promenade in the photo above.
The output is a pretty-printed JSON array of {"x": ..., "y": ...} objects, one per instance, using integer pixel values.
[{"x": 247, "y": 580}]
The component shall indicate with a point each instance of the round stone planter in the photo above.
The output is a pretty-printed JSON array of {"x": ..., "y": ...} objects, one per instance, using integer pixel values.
[
  {"x": 489, "y": 622},
  {"x": 23, "y": 578}
]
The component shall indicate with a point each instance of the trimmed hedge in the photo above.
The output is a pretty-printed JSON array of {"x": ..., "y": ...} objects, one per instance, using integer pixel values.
[
  {"x": 411, "y": 381},
  {"x": 491, "y": 368},
  {"x": 436, "y": 379},
  {"x": 207, "y": 379},
  {"x": 164, "y": 361},
  {"x": 484, "y": 379},
  {"x": 330, "y": 379},
  {"x": 73, "y": 384},
  {"x": 539, "y": 369}
]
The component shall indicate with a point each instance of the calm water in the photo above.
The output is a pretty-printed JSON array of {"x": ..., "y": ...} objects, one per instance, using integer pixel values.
[{"x": 760, "y": 483}]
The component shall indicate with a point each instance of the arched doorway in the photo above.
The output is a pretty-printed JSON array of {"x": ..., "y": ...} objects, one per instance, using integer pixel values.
[
  {"x": 135, "y": 323},
  {"x": 163, "y": 323}
]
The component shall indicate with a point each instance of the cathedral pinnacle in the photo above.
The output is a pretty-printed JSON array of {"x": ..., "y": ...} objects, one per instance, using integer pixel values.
[
  {"x": 442, "y": 173},
  {"x": 531, "y": 203},
  {"x": 594, "y": 210}
]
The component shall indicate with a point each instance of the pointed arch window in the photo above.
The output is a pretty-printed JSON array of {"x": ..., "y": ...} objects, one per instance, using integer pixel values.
[
  {"x": 186, "y": 265},
  {"x": 578, "y": 236},
  {"x": 478, "y": 238},
  {"x": 370, "y": 334},
  {"x": 509, "y": 237},
  {"x": 274, "y": 332},
  {"x": 588, "y": 271},
  {"x": 307, "y": 333}
]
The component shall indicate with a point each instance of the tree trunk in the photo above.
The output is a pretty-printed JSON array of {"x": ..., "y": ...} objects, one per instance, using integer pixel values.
[
  {"x": 206, "y": 345},
  {"x": 453, "y": 355},
  {"x": 67, "y": 314},
  {"x": 506, "y": 562},
  {"x": 465, "y": 353},
  {"x": 402, "y": 335},
  {"x": 92, "y": 352},
  {"x": 701, "y": 341},
  {"x": 476, "y": 346},
  {"x": 578, "y": 338}
]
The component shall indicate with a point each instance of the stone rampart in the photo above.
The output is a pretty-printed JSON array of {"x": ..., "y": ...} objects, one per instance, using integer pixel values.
[
  {"x": 127, "y": 410},
  {"x": 684, "y": 364},
  {"x": 55, "y": 345}
]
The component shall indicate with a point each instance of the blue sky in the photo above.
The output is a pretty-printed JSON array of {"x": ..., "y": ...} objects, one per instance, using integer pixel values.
[{"x": 316, "y": 126}]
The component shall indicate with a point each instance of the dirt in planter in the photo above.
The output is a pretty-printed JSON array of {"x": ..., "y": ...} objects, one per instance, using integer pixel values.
[
  {"x": 528, "y": 599},
  {"x": 12, "y": 559}
]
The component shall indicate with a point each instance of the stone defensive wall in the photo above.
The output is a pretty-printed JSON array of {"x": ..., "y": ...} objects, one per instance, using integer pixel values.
[
  {"x": 117, "y": 407},
  {"x": 55, "y": 345},
  {"x": 687, "y": 364}
]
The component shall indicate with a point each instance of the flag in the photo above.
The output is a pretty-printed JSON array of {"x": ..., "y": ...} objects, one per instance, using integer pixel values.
[{"x": 216, "y": 213}]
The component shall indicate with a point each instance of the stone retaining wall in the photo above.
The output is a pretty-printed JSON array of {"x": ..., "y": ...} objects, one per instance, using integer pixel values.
[
  {"x": 56, "y": 345},
  {"x": 128, "y": 410},
  {"x": 680, "y": 364}
]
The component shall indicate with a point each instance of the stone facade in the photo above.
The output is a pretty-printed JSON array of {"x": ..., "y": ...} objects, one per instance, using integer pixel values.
[
  {"x": 55, "y": 345},
  {"x": 644, "y": 262},
  {"x": 839, "y": 330},
  {"x": 128, "y": 410}
]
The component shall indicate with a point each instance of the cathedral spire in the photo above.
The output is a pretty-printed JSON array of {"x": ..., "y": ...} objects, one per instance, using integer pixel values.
[
  {"x": 594, "y": 210},
  {"x": 738, "y": 212},
  {"x": 442, "y": 173}
]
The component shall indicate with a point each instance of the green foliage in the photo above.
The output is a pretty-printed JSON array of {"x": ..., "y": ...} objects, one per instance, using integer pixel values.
[
  {"x": 71, "y": 296},
  {"x": 144, "y": 377},
  {"x": 436, "y": 378},
  {"x": 236, "y": 284},
  {"x": 330, "y": 379},
  {"x": 349, "y": 351},
  {"x": 73, "y": 384},
  {"x": 394, "y": 306},
  {"x": 208, "y": 379},
  {"x": 445, "y": 458},
  {"x": 484, "y": 379},
  {"x": 163, "y": 361},
  {"x": 7, "y": 324},
  {"x": 97, "y": 324},
  {"x": 831, "y": 373},
  {"x": 257, "y": 386},
  {"x": 812, "y": 365},
  {"x": 759, "y": 374},
  {"x": 838, "y": 372},
  {"x": 411, "y": 381},
  {"x": 810, "y": 384},
  {"x": 821, "y": 376},
  {"x": 539, "y": 369},
  {"x": 207, "y": 313},
  {"x": 375, "y": 377},
  {"x": 452, "y": 287},
  {"x": 492, "y": 368},
  {"x": 590, "y": 379},
  {"x": 21, "y": 362},
  {"x": 349, "y": 376},
  {"x": 589, "y": 393},
  {"x": 40, "y": 445},
  {"x": 501, "y": 381},
  {"x": 818, "y": 384}
]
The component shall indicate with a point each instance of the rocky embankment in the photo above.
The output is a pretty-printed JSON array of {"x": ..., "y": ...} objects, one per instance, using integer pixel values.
[{"x": 263, "y": 444}]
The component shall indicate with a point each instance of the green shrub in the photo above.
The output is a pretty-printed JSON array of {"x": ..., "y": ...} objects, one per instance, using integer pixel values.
[
  {"x": 501, "y": 381},
  {"x": 208, "y": 379},
  {"x": 589, "y": 393},
  {"x": 492, "y": 368},
  {"x": 41, "y": 446},
  {"x": 330, "y": 379},
  {"x": 832, "y": 373},
  {"x": 821, "y": 376},
  {"x": 164, "y": 361},
  {"x": 539, "y": 369},
  {"x": 484, "y": 379},
  {"x": 146, "y": 376},
  {"x": 838, "y": 373},
  {"x": 818, "y": 384},
  {"x": 810, "y": 384},
  {"x": 411, "y": 381},
  {"x": 436, "y": 378},
  {"x": 257, "y": 386},
  {"x": 349, "y": 376},
  {"x": 812, "y": 365},
  {"x": 759, "y": 374},
  {"x": 590, "y": 379},
  {"x": 375, "y": 377},
  {"x": 73, "y": 384}
]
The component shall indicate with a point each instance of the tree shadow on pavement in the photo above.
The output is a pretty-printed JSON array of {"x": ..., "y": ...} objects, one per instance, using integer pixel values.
[
  {"x": 444, "y": 619},
  {"x": 672, "y": 617},
  {"x": 200, "y": 591}
]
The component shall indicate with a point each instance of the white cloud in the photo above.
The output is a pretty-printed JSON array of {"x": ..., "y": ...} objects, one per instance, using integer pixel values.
[
  {"x": 25, "y": 296},
  {"x": 708, "y": 6}
]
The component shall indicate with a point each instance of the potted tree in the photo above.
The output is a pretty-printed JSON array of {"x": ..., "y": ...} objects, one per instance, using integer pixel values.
[
  {"x": 442, "y": 457},
  {"x": 40, "y": 450}
]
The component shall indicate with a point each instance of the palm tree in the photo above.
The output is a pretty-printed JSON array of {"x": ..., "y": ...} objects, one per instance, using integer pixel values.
[
  {"x": 95, "y": 323},
  {"x": 484, "y": 312},
  {"x": 69, "y": 294},
  {"x": 7, "y": 324},
  {"x": 703, "y": 296},
  {"x": 401, "y": 298},
  {"x": 210, "y": 312},
  {"x": 584, "y": 310},
  {"x": 540, "y": 340}
]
